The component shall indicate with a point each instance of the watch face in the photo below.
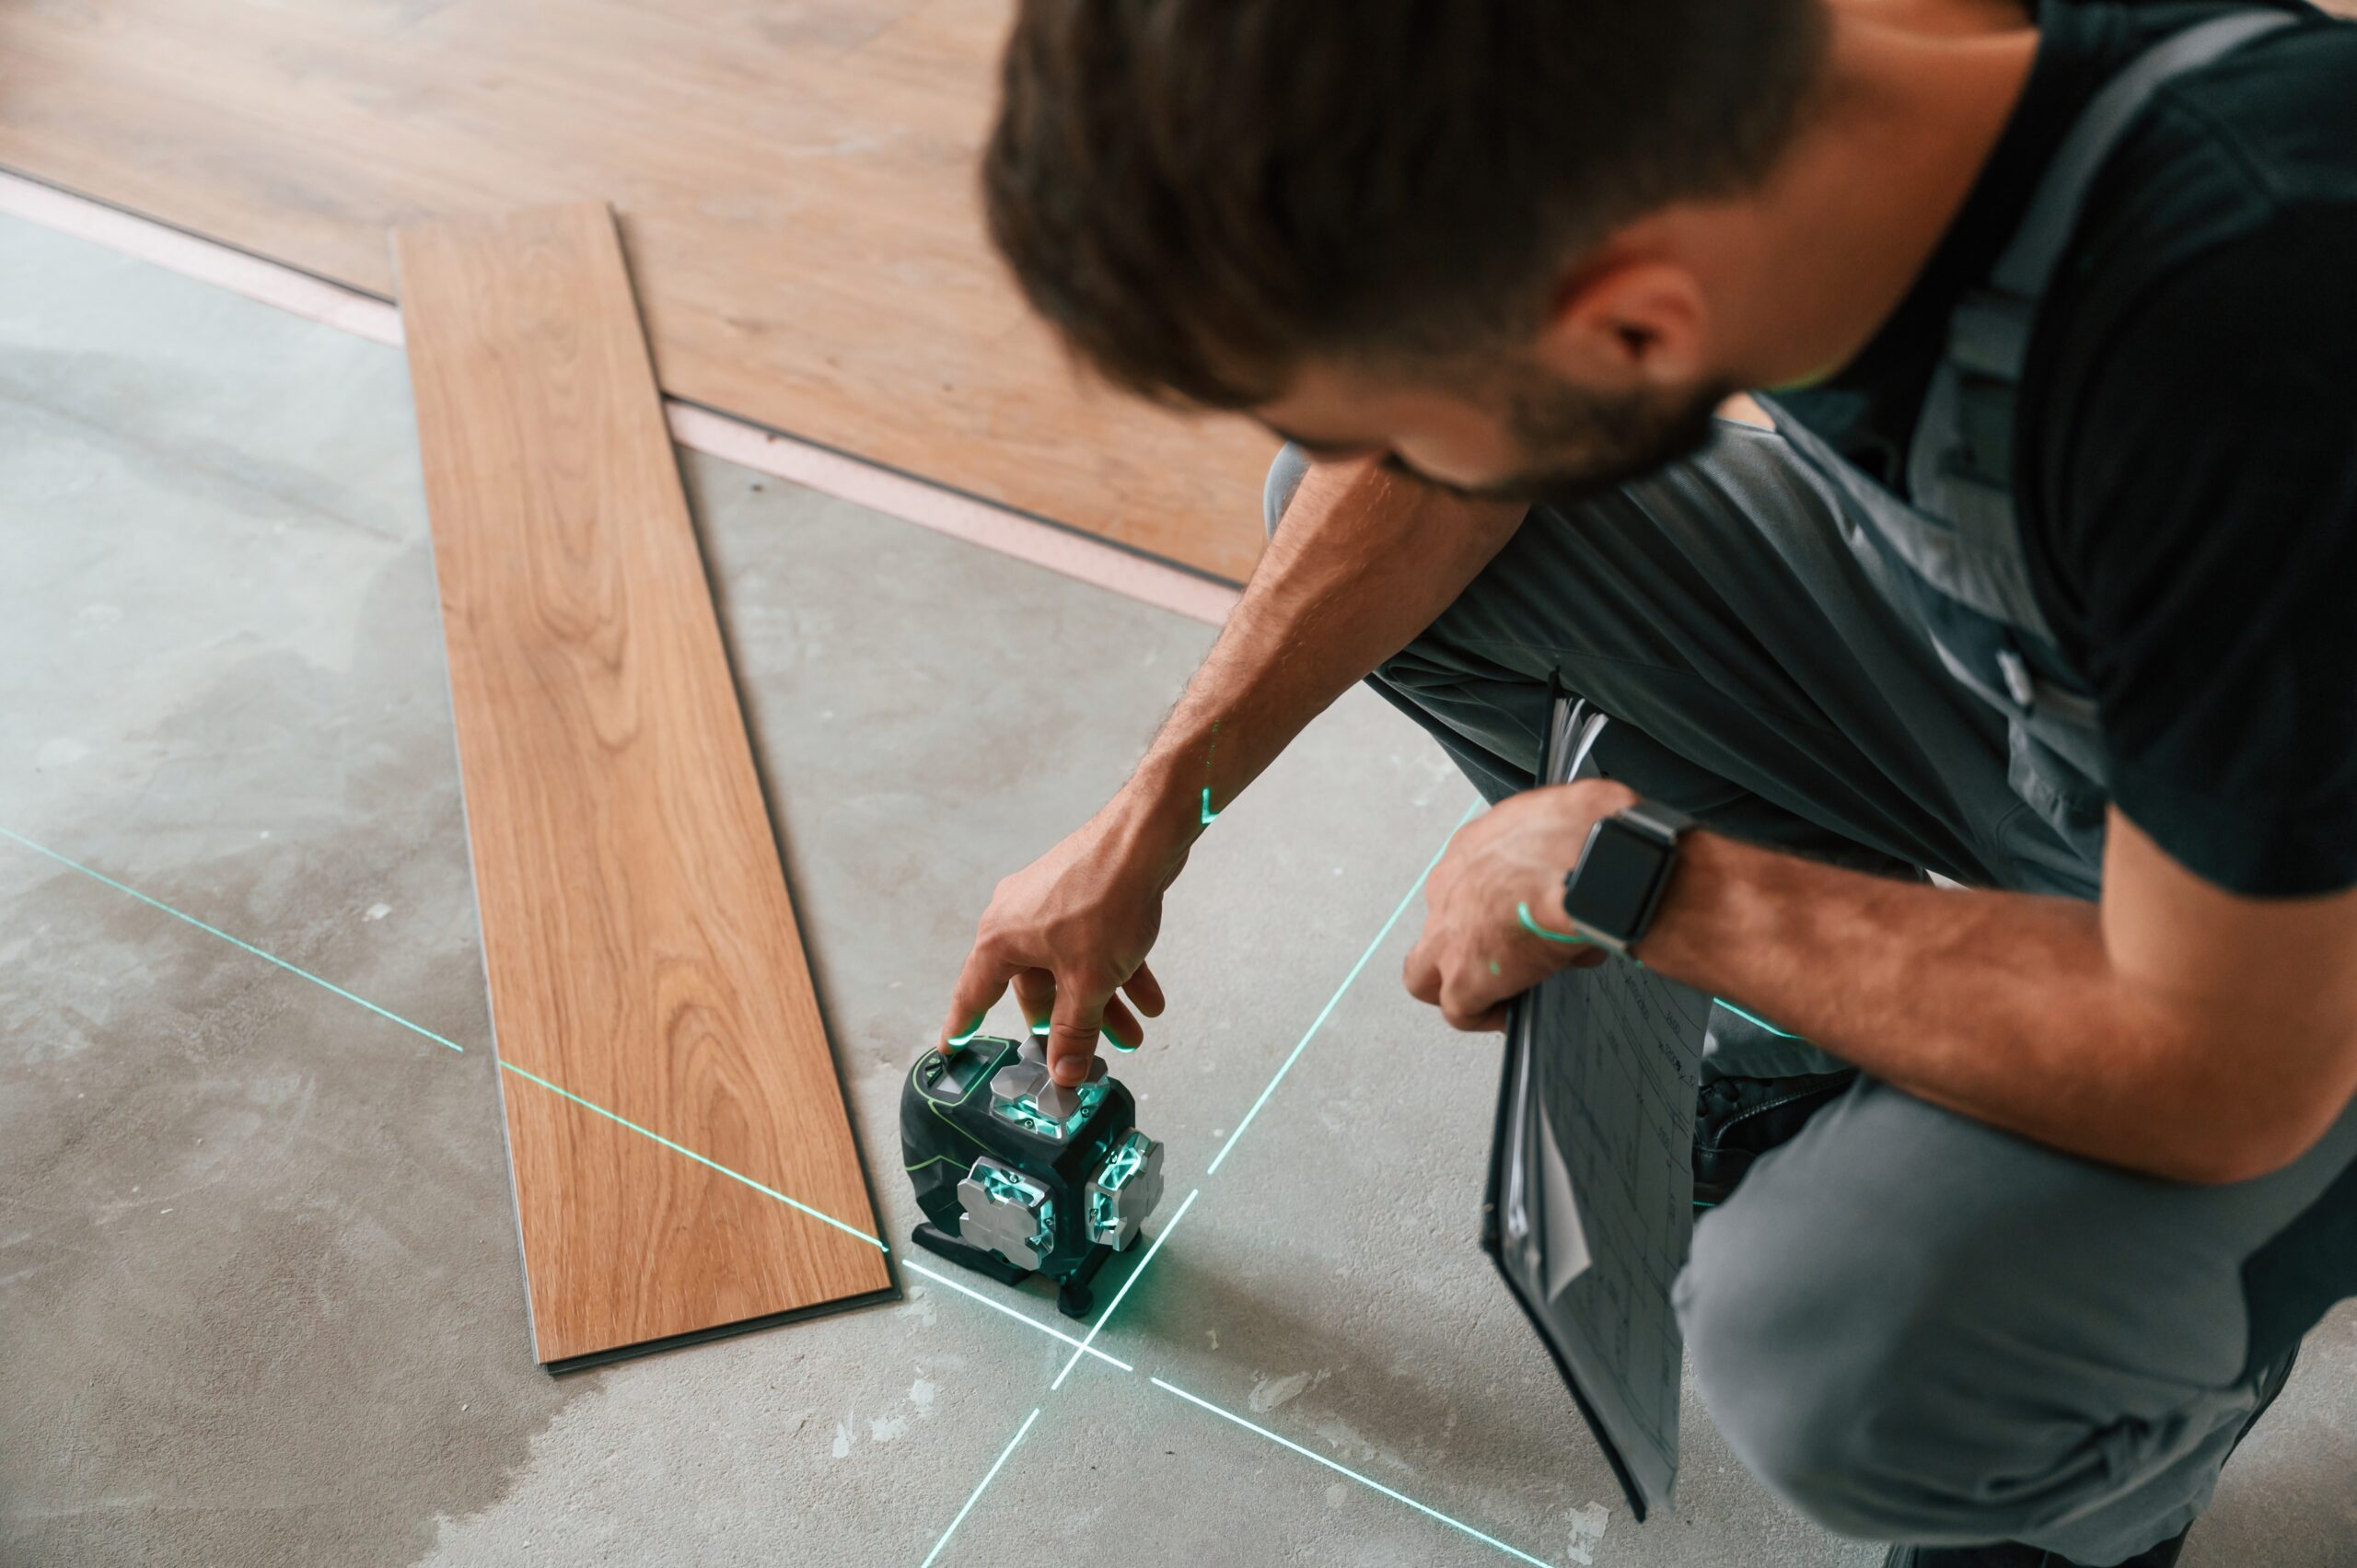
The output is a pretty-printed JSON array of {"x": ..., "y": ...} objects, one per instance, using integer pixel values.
[{"x": 1616, "y": 877}]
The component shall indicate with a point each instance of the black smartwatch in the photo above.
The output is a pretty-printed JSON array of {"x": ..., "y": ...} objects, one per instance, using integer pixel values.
[{"x": 1611, "y": 894}]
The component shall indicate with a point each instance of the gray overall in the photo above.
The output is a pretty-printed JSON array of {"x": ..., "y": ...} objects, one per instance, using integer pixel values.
[
  {"x": 1910, "y": 1325},
  {"x": 1951, "y": 557}
]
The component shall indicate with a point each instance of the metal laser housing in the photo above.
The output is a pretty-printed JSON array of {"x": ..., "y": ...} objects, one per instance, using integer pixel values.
[{"x": 1018, "y": 1175}]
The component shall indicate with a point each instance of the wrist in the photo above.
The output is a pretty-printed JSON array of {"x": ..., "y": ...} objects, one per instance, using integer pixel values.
[
  {"x": 1704, "y": 885},
  {"x": 1595, "y": 800},
  {"x": 1153, "y": 821}
]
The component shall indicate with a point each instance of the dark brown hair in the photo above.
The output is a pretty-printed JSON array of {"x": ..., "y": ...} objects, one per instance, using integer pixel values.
[{"x": 1199, "y": 193}]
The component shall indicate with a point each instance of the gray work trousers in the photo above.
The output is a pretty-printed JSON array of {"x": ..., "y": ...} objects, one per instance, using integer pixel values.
[{"x": 1911, "y": 1326}]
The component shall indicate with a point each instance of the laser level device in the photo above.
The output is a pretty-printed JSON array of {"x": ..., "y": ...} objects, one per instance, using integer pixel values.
[{"x": 1018, "y": 1175}]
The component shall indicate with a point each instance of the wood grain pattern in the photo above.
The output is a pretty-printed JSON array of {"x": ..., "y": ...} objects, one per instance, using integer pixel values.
[
  {"x": 640, "y": 947},
  {"x": 796, "y": 182}
]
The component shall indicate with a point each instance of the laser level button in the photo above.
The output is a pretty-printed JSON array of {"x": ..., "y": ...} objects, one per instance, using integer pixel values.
[{"x": 1016, "y": 1081}]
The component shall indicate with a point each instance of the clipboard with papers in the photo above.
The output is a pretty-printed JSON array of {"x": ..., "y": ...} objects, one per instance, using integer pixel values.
[{"x": 1589, "y": 1213}]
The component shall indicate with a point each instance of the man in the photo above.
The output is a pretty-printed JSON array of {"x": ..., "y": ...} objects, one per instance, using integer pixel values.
[{"x": 2042, "y": 581}]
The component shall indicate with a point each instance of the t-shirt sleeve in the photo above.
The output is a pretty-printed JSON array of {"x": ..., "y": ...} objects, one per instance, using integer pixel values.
[{"x": 2208, "y": 529}]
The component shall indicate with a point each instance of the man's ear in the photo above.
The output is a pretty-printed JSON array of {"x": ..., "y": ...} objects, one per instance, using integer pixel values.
[{"x": 1627, "y": 323}]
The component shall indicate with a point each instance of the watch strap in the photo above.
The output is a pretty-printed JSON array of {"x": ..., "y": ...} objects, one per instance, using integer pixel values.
[{"x": 1657, "y": 819}]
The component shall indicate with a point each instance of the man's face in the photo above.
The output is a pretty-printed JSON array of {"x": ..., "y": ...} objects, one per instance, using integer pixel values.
[{"x": 1517, "y": 431}]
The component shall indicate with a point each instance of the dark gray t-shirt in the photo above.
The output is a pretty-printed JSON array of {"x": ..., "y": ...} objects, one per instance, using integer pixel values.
[{"x": 2186, "y": 435}]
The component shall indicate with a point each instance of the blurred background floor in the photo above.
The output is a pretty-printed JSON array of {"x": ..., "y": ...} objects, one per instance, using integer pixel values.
[
  {"x": 262, "y": 1297},
  {"x": 796, "y": 184}
]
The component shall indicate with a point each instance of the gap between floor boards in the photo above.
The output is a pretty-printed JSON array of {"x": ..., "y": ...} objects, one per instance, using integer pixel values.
[{"x": 1064, "y": 550}]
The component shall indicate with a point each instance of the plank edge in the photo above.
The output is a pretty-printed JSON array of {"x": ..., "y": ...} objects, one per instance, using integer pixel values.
[{"x": 890, "y": 1293}]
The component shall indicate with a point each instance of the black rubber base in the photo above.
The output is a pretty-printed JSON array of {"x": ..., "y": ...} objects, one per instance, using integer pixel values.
[{"x": 1073, "y": 1297}]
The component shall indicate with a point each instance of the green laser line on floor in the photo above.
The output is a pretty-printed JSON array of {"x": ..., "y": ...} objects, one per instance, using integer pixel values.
[
  {"x": 1430, "y": 1512},
  {"x": 1087, "y": 1345},
  {"x": 1047, "y": 1329},
  {"x": 1084, "y": 1346},
  {"x": 988, "y": 1476},
  {"x": 1332, "y": 1001},
  {"x": 1315, "y": 1024},
  {"x": 1132, "y": 1279},
  {"x": 585, "y": 1104},
  {"x": 796, "y": 1204},
  {"x": 101, "y": 876}
]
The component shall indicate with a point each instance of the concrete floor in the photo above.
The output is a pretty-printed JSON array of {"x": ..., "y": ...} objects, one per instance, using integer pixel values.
[{"x": 259, "y": 1295}]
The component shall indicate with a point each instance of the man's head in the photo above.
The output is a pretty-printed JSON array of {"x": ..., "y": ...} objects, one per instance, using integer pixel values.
[{"x": 1382, "y": 224}]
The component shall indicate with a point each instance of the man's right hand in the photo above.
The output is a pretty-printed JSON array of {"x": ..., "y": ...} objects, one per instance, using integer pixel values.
[
  {"x": 1070, "y": 932},
  {"x": 1366, "y": 560}
]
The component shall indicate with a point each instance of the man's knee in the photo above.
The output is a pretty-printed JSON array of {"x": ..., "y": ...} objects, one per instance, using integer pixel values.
[
  {"x": 1780, "y": 1387},
  {"x": 1836, "y": 1368},
  {"x": 1284, "y": 477}
]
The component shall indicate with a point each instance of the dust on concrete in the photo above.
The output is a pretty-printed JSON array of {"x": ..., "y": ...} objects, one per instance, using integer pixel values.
[
  {"x": 257, "y": 1256},
  {"x": 258, "y": 1273}
]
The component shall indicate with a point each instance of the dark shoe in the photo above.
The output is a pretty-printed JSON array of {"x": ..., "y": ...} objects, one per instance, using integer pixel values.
[
  {"x": 1737, "y": 1120},
  {"x": 2011, "y": 1554},
  {"x": 2003, "y": 1554}
]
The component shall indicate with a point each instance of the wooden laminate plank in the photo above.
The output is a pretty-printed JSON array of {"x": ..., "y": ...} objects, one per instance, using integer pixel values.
[
  {"x": 640, "y": 947},
  {"x": 795, "y": 183}
]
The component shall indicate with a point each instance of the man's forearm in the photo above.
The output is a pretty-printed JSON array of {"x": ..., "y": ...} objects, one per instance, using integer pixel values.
[
  {"x": 1366, "y": 559},
  {"x": 2005, "y": 1007}
]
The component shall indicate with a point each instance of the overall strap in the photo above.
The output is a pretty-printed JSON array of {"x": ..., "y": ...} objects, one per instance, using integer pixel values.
[
  {"x": 1961, "y": 468},
  {"x": 1999, "y": 339}
]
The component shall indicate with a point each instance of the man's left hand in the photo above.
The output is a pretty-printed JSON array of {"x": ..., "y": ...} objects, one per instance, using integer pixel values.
[{"x": 1475, "y": 955}]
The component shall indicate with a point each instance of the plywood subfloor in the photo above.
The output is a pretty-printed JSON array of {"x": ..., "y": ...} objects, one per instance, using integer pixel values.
[
  {"x": 641, "y": 946},
  {"x": 795, "y": 183}
]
